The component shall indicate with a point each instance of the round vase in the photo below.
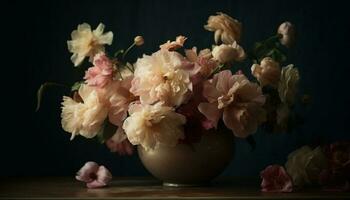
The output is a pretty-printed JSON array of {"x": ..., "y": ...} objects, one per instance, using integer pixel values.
[{"x": 192, "y": 164}]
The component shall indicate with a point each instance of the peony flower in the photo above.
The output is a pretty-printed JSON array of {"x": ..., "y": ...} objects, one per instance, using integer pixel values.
[
  {"x": 275, "y": 179},
  {"x": 153, "y": 125},
  {"x": 268, "y": 72},
  {"x": 84, "y": 118},
  {"x": 287, "y": 31},
  {"x": 288, "y": 84},
  {"x": 161, "y": 77},
  {"x": 101, "y": 73},
  {"x": 227, "y": 29},
  {"x": 228, "y": 53},
  {"x": 138, "y": 40},
  {"x": 305, "y": 164},
  {"x": 119, "y": 143},
  {"x": 171, "y": 46},
  {"x": 337, "y": 175},
  {"x": 117, "y": 97},
  {"x": 236, "y": 99},
  {"x": 87, "y": 43},
  {"x": 202, "y": 64},
  {"x": 93, "y": 175}
]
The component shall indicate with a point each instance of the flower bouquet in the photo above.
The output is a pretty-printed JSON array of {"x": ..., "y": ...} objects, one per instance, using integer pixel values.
[{"x": 178, "y": 95}]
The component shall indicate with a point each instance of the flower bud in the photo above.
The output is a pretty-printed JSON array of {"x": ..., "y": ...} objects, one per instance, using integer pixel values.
[
  {"x": 138, "y": 40},
  {"x": 287, "y": 31}
]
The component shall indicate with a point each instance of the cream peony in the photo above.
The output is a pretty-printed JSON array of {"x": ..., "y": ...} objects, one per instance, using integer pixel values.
[
  {"x": 287, "y": 87},
  {"x": 84, "y": 118},
  {"x": 87, "y": 43},
  {"x": 237, "y": 100},
  {"x": 287, "y": 31},
  {"x": 228, "y": 53},
  {"x": 225, "y": 27},
  {"x": 153, "y": 125},
  {"x": 268, "y": 72},
  {"x": 305, "y": 164},
  {"x": 161, "y": 77}
]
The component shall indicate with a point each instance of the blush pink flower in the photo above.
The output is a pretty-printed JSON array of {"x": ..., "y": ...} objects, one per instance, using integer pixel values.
[
  {"x": 275, "y": 179},
  {"x": 117, "y": 97},
  {"x": 201, "y": 64},
  {"x": 236, "y": 99},
  {"x": 119, "y": 143},
  {"x": 93, "y": 175},
  {"x": 171, "y": 46},
  {"x": 101, "y": 73}
]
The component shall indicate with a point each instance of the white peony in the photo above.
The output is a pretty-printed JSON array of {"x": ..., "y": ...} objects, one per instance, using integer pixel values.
[
  {"x": 305, "y": 164},
  {"x": 288, "y": 84},
  {"x": 160, "y": 77},
  {"x": 228, "y": 53},
  {"x": 83, "y": 118},
  {"x": 87, "y": 43},
  {"x": 153, "y": 125}
]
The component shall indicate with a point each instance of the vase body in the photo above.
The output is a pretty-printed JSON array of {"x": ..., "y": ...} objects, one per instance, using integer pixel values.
[{"x": 190, "y": 164}]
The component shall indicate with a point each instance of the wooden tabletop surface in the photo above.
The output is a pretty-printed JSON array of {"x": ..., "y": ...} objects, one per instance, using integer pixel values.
[{"x": 147, "y": 188}]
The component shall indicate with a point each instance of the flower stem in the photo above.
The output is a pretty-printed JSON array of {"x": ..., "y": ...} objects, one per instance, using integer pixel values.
[{"x": 128, "y": 49}]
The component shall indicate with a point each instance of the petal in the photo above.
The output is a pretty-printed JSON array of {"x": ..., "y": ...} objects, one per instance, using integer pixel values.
[
  {"x": 119, "y": 136},
  {"x": 191, "y": 54},
  {"x": 217, "y": 35},
  {"x": 99, "y": 30},
  {"x": 84, "y": 27},
  {"x": 103, "y": 175},
  {"x": 95, "y": 184},
  {"x": 210, "y": 92},
  {"x": 77, "y": 59},
  {"x": 106, "y": 38},
  {"x": 84, "y": 173},
  {"x": 223, "y": 81},
  {"x": 211, "y": 112}
]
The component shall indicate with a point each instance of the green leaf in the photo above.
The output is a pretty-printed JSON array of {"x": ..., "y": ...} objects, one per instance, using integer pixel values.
[
  {"x": 76, "y": 85},
  {"x": 41, "y": 91}
]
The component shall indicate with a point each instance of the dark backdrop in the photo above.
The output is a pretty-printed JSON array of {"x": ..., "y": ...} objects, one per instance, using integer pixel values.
[{"x": 36, "y": 51}]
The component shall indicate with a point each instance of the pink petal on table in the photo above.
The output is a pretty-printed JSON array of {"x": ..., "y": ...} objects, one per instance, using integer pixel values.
[{"x": 86, "y": 172}]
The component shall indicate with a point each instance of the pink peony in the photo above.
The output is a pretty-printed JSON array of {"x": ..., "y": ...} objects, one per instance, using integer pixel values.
[
  {"x": 101, "y": 73},
  {"x": 275, "y": 179},
  {"x": 93, "y": 175},
  {"x": 117, "y": 97},
  {"x": 200, "y": 65},
  {"x": 236, "y": 99},
  {"x": 119, "y": 143}
]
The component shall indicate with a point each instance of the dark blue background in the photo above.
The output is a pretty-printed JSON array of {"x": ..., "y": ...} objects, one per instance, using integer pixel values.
[{"x": 36, "y": 51}]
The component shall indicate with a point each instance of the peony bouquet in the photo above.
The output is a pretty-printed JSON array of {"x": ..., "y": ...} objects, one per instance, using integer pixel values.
[
  {"x": 178, "y": 93},
  {"x": 158, "y": 99}
]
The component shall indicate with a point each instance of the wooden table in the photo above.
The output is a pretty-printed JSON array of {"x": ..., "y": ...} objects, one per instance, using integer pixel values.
[{"x": 147, "y": 188}]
